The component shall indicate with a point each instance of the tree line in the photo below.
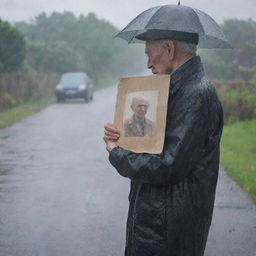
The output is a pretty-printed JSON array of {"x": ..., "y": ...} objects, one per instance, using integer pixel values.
[
  {"x": 234, "y": 71},
  {"x": 239, "y": 62},
  {"x": 62, "y": 42},
  {"x": 34, "y": 54}
]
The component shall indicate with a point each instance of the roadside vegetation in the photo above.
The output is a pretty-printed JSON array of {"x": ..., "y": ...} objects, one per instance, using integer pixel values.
[
  {"x": 238, "y": 145},
  {"x": 17, "y": 88},
  {"x": 34, "y": 54},
  {"x": 238, "y": 154},
  {"x": 12, "y": 115},
  {"x": 234, "y": 76}
]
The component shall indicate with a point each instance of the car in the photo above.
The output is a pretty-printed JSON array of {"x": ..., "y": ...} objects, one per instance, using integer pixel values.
[{"x": 74, "y": 86}]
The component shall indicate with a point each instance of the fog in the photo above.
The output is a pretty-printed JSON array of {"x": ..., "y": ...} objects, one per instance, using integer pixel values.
[
  {"x": 120, "y": 12},
  {"x": 58, "y": 193}
]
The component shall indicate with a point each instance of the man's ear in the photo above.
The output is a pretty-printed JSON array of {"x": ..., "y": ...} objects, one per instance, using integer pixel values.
[{"x": 171, "y": 47}]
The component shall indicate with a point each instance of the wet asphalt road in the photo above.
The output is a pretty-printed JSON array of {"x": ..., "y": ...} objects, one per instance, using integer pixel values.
[{"x": 59, "y": 196}]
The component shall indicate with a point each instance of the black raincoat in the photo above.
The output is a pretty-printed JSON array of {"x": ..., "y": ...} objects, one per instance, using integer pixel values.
[{"x": 172, "y": 193}]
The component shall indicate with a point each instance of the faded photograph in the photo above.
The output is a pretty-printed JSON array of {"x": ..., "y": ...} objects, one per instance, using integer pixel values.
[{"x": 140, "y": 114}]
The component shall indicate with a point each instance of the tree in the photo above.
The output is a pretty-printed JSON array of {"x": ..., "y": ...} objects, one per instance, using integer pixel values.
[
  {"x": 62, "y": 42},
  {"x": 57, "y": 57},
  {"x": 219, "y": 64},
  {"x": 236, "y": 63},
  {"x": 242, "y": 35},
  {"x": 12, "y": 48}
]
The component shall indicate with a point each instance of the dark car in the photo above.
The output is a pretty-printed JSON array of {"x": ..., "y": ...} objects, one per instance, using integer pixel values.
[{"x": 74, "y": 86}]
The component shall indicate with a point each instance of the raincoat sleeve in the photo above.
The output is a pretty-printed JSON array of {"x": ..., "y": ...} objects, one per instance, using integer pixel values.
[{"x": 184, "y": 145}]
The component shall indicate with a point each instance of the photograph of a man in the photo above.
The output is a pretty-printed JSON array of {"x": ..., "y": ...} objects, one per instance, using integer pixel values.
[{"x": 138, "y": 125}]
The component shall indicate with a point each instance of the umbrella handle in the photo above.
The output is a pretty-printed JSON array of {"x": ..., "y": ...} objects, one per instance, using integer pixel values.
[{"x": 179, "y": 2}]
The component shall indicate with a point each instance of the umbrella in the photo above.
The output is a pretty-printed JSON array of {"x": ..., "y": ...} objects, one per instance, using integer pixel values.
[{"x": 175, "y": 22}]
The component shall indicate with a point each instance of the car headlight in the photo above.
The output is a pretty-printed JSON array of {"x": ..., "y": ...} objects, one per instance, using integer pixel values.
[
  {"x": 82, "y": 87},
  {"x": 59, "y": 87}
]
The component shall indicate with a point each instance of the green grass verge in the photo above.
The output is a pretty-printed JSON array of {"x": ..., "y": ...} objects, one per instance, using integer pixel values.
[
  {"x": 238, "y": 154},
  {"x": 17, "y": 113}
]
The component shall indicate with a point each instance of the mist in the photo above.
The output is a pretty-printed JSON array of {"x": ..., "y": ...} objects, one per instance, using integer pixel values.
[
  {"x": 121, "y": 12},
  {"x": 59, "y": 194}
]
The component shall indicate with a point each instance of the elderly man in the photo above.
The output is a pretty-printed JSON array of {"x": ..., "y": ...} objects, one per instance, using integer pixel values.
[
  {"x": 138, "y": 125},
  {"x": 172, "y": 193}
]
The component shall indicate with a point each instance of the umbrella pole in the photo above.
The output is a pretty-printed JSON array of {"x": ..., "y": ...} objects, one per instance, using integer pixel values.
[{"x": 179, "y": 2}]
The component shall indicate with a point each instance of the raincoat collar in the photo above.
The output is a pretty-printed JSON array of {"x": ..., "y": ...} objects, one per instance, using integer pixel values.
[{"x": 178, "y": 76}]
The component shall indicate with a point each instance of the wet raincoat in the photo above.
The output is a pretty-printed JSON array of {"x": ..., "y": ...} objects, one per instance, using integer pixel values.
[{"x": 172, "y": 193}]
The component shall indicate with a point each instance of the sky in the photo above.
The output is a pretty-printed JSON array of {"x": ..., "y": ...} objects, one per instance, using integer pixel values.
[{"x": 121, "y": 12}]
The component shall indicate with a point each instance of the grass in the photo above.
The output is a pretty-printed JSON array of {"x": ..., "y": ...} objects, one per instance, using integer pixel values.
[
  {"x": 238, "y": 154},
  {"x": 17, "y": 113},
  {"x": 12, "y": 115}
]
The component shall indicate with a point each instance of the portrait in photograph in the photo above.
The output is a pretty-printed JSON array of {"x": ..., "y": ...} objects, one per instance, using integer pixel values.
[
  {"x": 140, "y": 114},
  {"x": 141, "y": 110}
]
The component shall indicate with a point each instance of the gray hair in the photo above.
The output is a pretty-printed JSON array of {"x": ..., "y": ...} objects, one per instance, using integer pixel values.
[{"x": 188, "y": 49}]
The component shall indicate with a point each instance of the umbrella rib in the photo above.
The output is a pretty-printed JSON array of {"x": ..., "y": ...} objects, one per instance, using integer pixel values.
[
  {"x": 199, "y": 21},
  {"x": 154, "y": 14}
]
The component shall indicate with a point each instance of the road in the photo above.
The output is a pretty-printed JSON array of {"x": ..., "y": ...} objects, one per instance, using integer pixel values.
[{"x": 59, "y": 196}]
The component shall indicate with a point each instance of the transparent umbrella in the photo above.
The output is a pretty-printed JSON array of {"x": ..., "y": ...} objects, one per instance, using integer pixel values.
[{"x": 175, "y": 22}]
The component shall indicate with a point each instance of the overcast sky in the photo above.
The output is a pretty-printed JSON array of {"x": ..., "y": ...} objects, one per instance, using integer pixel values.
[{"x": 120, "y": 12}]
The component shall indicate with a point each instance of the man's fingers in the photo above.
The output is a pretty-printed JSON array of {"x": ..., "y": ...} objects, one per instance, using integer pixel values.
[
  {"x": 109, "y": 139},
  {"x": 111, "y": 128},
  {"x": 111, "y": 134}
]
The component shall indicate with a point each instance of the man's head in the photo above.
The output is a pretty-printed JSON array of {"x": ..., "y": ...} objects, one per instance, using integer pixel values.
[
  {"x": 164, "y": 56},
  {"x": 139, "y": 106}
]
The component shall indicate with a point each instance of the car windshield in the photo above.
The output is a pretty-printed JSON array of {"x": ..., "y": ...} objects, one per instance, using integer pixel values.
[{"x": 74, "y": 79}]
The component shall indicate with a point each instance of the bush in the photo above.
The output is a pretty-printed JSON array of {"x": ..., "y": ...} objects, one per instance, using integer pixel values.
[
  {"x": 238, "y": 99},
  {"x": 7, "y": 101},
  {"x": 17, "y": 88}
]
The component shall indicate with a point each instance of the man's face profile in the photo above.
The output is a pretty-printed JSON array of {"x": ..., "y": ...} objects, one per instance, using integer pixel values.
[
  {"x": 139, "y": 107},
  {"x": 158, "y": 58}
]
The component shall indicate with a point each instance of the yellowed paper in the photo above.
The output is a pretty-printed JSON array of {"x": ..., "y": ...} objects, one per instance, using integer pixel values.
[{"x": 140, "y": 114}]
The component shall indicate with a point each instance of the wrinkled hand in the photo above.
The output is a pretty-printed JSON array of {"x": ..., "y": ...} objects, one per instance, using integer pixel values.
[{"x": 111, "y": 136}]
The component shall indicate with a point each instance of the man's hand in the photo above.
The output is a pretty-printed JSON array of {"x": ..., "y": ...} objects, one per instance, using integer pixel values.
[{"x": 111, "y": 136}]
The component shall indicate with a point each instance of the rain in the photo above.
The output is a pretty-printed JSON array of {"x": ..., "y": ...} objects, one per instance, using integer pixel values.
[{"x": 59, "y": 195}]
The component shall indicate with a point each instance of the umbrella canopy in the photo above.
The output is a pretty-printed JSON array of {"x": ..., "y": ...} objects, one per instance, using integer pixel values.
[{"x": 175, "y": 22}]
